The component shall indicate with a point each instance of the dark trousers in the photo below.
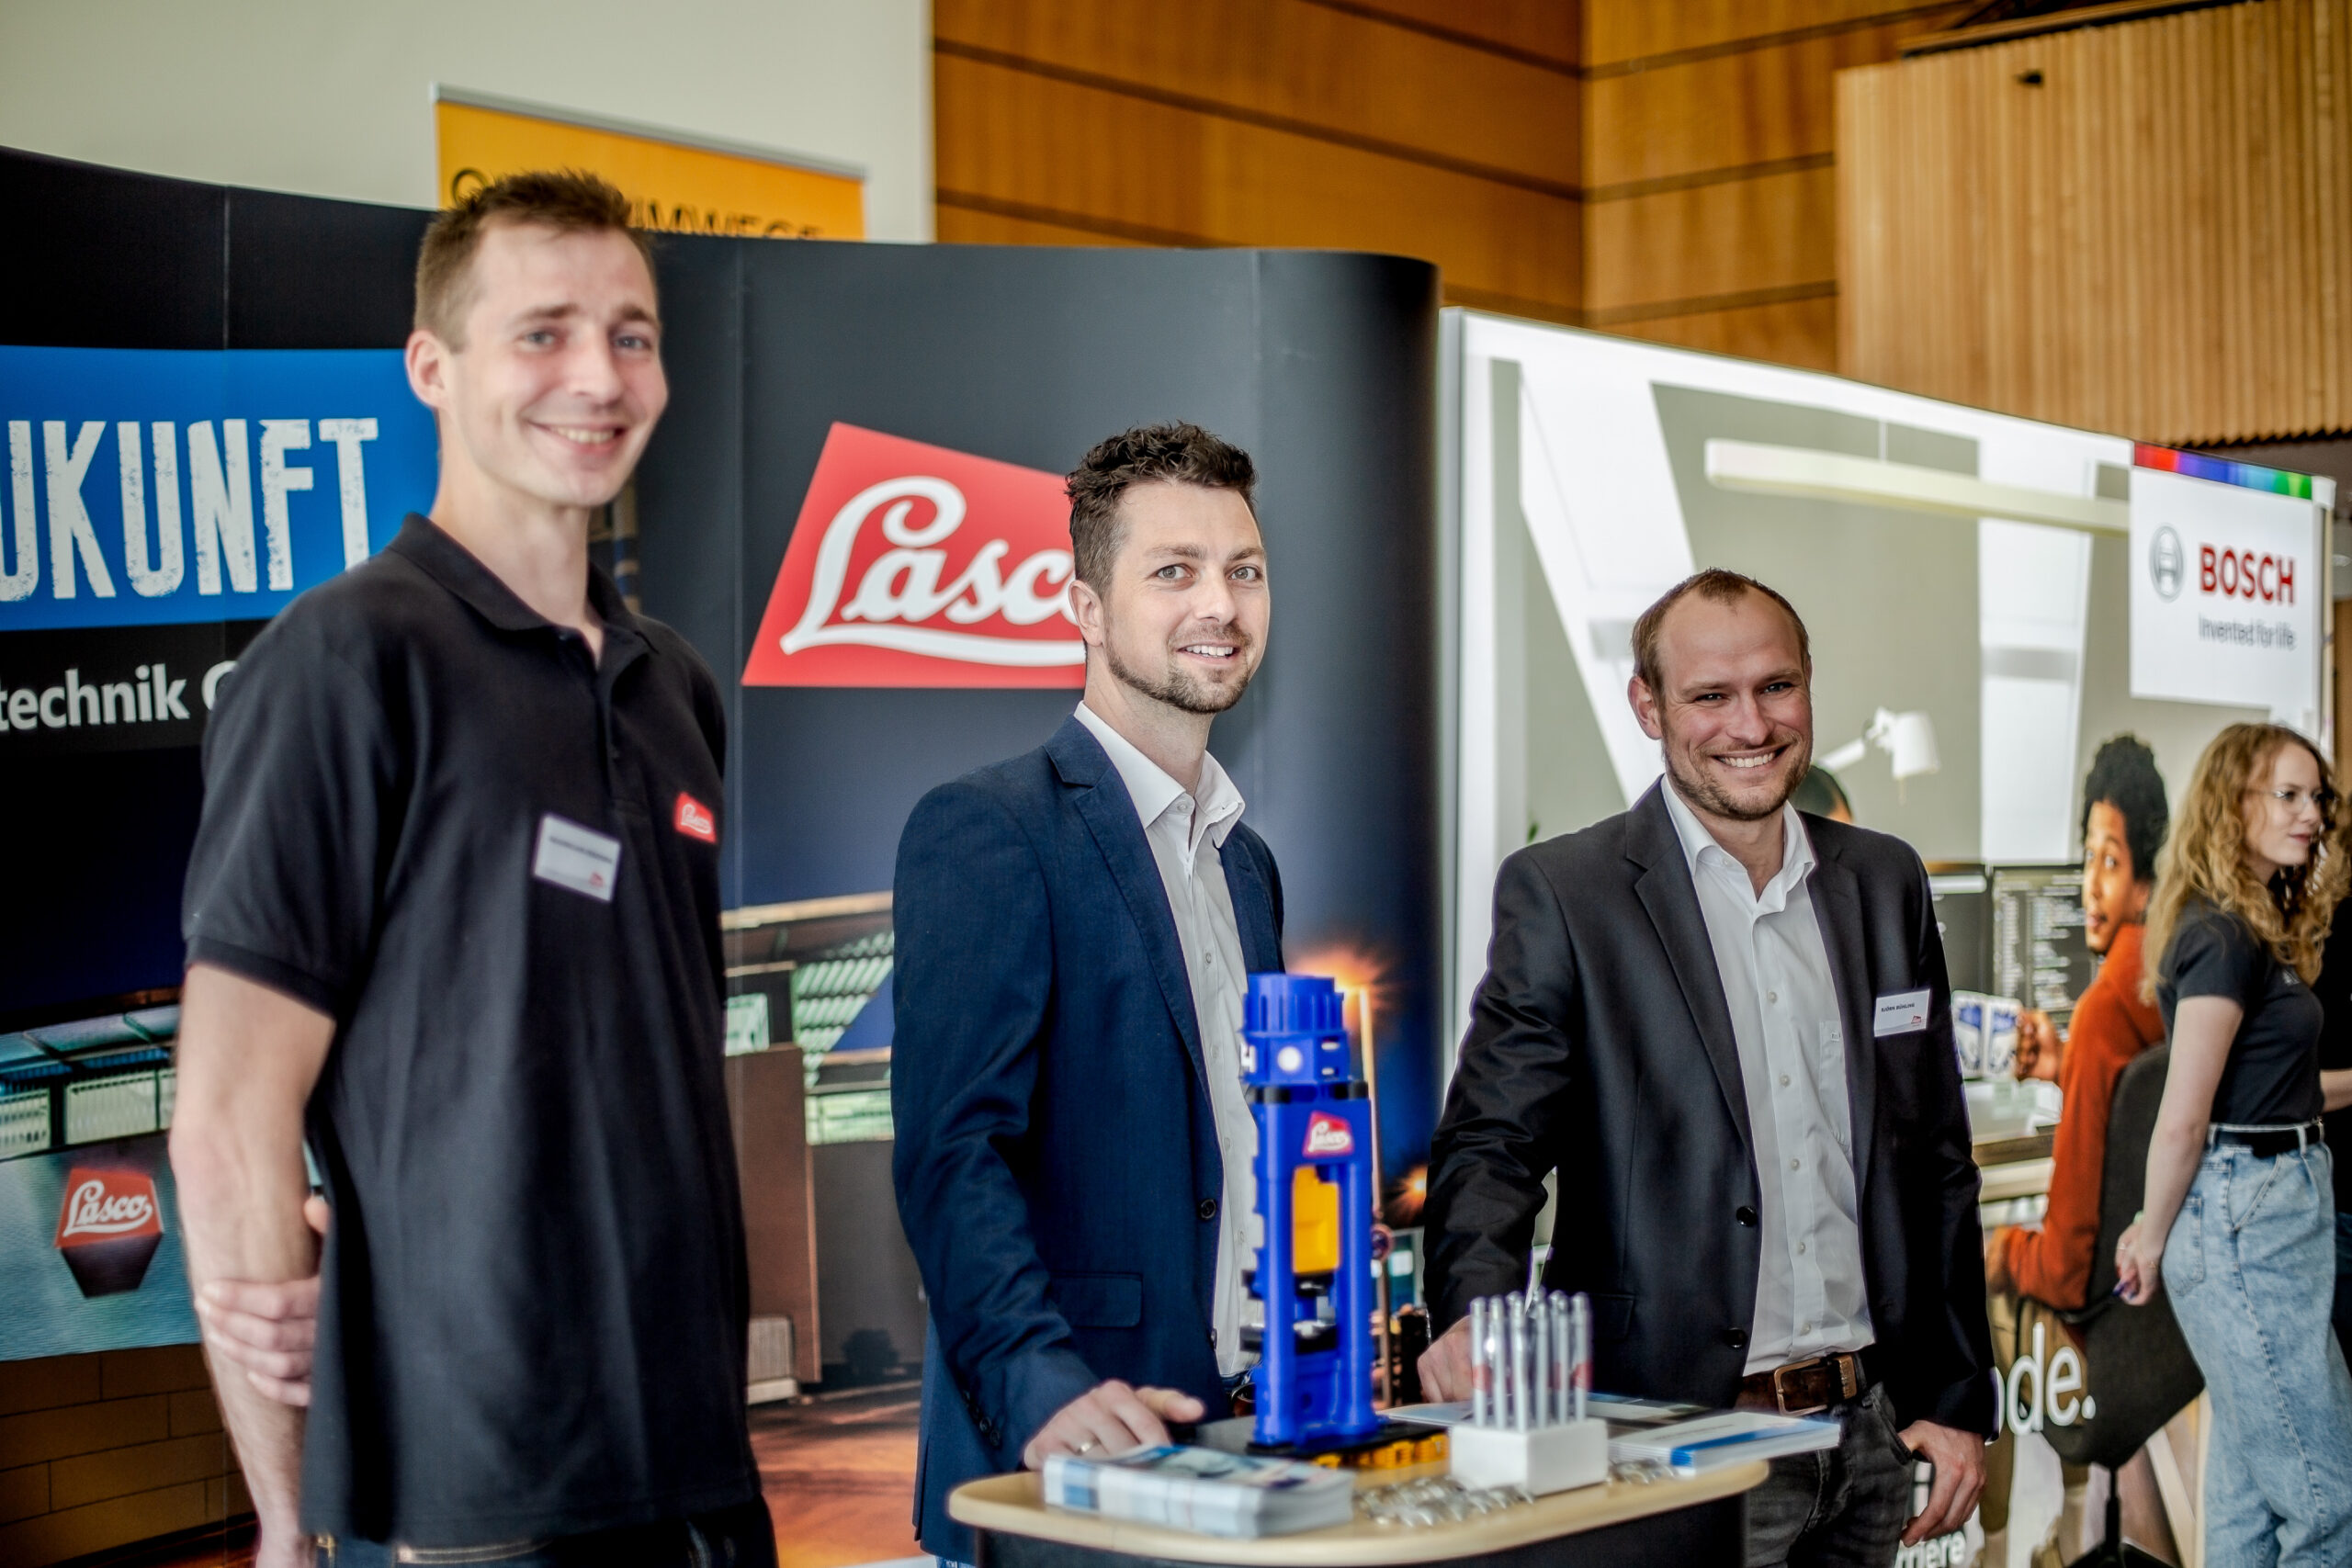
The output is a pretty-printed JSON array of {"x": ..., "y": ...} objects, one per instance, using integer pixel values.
[
  {"x": 741, "y": 1537},
  {"x": 1843, "y": 1508}
]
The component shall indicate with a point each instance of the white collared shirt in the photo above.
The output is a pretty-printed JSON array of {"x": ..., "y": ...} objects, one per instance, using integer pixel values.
[
  {"x": 1187, "y": 834},
  {"x": 1810, "y": 1294}
]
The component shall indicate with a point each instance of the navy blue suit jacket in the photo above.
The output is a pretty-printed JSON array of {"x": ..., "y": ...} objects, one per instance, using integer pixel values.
[{"x": 1057, "y": 1162}]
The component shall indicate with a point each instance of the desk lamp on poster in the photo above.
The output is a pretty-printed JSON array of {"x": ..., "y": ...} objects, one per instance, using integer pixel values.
[{"x": 1908, "y": 739}]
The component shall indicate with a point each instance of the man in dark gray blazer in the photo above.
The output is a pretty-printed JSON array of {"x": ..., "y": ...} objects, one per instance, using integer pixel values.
[{"x": 1727, "y": 1027}]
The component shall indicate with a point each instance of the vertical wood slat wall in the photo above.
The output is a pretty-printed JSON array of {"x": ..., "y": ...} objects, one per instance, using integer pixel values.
[
  {"x": 2157, "y": 238},
  {"x": 1660, "y": 170}
]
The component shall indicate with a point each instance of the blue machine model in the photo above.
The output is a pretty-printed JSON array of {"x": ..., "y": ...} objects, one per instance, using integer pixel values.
[{"x": 1315, "y": 1205}]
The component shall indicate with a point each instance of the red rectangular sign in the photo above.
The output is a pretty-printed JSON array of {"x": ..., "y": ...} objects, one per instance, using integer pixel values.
[{"x": 914, "y": 565}]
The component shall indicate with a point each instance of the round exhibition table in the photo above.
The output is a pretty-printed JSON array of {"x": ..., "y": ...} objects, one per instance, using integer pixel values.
[{"x": 1670, "y": 1523}]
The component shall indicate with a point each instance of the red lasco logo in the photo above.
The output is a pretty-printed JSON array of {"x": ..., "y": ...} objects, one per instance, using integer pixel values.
[
  {"x": 695, "y": 820},
  {"x": 101, "y": 1205},
  {"x": 919, "y": 566},
  {"x": 1329, "y": 1135}
]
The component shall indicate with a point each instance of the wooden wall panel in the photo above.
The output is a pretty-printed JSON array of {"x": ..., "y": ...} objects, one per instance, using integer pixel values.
[
  {"x": 1296, "y": 66},
  {"x": 1620, "y": 166},
  {"x": 1131, "y": 168},
  {"x": 1721, "y": 112},
  {"x": 1548, "y": 30},
  {"x": 969, "y": 226},
  {"x": 1696, "y": 245},
  {"x": 1802, "y": 333},
  {"x": 2157, "y": 239},
  {"x": 1617, "y": 31}
]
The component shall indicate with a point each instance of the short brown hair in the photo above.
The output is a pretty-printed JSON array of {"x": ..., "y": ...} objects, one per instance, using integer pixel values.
[
  {"x": 1725, "y": 588},
  {"x": 1182, "y": 453},
  {"x": 566, "y": 200}
]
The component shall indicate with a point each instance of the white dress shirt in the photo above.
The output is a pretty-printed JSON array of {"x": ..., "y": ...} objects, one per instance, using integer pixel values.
[
  {"x": 1187, "y": 832},
  {"x": 1810, "y": 1297}
]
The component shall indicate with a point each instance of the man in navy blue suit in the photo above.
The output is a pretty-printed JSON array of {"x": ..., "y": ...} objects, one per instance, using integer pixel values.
[{"x": 1075, "y": 931}]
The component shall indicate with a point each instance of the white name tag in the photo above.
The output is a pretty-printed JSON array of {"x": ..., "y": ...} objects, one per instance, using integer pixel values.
[
  {"x": 579, "y": 858},
  {"x": 1902, "y": 1013}
]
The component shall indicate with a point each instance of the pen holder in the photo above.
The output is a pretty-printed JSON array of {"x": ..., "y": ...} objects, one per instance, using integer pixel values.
[{"x": 1541, "y": 1459}]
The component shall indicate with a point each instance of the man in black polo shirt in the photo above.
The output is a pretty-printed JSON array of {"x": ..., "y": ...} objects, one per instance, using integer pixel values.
[{"x": 453, "y": 915}]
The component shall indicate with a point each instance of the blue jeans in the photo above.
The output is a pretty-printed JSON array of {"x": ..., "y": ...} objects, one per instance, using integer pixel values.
[
  {"x": 2251, "y": 1273},
  {"x": 1843, "y": 1508},
  {"x": 2344, "y": 1279}
]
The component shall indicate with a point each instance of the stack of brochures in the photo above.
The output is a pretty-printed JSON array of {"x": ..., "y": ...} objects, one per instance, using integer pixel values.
[
  {"x": 1693, "y": 1447},
  {"x": 1203, "y": 1490}
]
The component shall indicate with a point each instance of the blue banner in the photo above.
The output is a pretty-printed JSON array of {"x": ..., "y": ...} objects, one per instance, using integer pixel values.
[{"x": 150, "y": 487}]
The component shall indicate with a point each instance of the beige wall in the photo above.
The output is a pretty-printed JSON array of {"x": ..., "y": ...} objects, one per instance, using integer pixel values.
[{"x": 333, "y": 98}]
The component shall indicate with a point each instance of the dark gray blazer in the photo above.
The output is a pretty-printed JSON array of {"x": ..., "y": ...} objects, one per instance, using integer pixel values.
[{"x": 1600, "y": 1044}]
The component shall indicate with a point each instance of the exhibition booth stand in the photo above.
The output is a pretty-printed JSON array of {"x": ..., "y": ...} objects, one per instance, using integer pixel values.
[{"x": 853, "y": 510}]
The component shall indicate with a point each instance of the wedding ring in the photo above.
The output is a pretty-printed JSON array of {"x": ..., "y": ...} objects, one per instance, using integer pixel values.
[{"x": 1087, "y": 1447}]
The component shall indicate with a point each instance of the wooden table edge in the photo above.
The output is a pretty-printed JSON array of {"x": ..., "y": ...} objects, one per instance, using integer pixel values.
[{"x": 1013, "y": 1504}]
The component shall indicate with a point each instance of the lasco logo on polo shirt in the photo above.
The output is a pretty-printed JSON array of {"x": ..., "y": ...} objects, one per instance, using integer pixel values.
[
  {"x": 695, "y": 820},
  {"x": 919, "y": 566}
]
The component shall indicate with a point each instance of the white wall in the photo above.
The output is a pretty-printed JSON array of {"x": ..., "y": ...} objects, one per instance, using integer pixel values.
[{"x": 332, "y": 98}]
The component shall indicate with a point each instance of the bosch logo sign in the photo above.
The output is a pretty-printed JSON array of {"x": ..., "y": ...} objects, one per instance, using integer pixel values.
[
  {"x": 919, "y": 566},
  {"x": 2166, "y": 564},
  {"x": 2244, "y": 574}
]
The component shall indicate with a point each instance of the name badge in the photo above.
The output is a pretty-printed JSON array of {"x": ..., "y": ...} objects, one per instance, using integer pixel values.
[
  {"x": 1905, "y": 1012},
  {"x": 578, "y": 859}
]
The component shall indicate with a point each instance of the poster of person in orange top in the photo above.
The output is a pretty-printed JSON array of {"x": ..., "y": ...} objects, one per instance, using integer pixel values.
[{"x": 2028, "y": 1269}]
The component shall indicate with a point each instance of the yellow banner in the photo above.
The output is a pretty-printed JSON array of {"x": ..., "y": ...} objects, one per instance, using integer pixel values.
[{"x": 668, "y": 185}]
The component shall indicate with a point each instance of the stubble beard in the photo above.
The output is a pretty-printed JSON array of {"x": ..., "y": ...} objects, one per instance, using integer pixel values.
[
  {"x": 1704, "y": 794},
  {"x": 1178, "y": 688}
]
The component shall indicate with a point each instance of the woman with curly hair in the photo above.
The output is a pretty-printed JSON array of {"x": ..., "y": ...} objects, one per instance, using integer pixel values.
[{"x": 2239, "y": 1207}]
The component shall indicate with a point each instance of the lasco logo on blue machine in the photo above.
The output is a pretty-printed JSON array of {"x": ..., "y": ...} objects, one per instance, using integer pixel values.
[{"x": 151, "y": 487}]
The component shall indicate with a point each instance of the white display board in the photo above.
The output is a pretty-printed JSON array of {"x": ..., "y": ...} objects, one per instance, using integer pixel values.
[
  {"x": 2226, "y": 593},
  {"x": 1986, "y": 574}
]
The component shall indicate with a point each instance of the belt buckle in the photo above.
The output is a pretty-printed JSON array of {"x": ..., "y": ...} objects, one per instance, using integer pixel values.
[{"x": 1781, "y": 1389}]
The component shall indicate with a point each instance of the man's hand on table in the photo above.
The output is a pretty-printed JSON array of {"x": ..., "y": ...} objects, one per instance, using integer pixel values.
[
  {"x": 1445, "y": 1366},
  {"x": 1959, "y": 1459},
  {"x": 1111, "y": 1418},
  {"x": 267, "y": 1329}
]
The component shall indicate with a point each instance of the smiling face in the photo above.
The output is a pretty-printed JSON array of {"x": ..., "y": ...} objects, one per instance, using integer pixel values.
[
  {"x": 2283, "y": 812},
  {"x": 1182, "y": 616},
  {"x": 1734, "y": 715},
  {"x": 2115, "y": 894},
  {"x": 558, "y": 383}
]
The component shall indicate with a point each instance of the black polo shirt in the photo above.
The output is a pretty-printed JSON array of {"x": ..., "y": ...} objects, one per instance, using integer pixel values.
[{"x": 495, "y": 862}]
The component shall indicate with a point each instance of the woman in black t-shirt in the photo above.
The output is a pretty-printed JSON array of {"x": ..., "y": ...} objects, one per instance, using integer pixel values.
[{"x": 2240, "y": 1206}]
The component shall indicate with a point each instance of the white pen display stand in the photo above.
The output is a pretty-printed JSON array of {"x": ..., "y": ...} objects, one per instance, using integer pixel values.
[
  {"x": 1541, "y": 1459},
  {"x": 1531, "y": 1365}
]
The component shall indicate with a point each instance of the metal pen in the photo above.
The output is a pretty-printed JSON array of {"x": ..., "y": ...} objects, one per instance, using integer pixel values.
[
  {"x": 1580, "y": 1349},
  {"x": 1481, "y": 1370},
  {"x": 1518, "y": 1389},
  {"x": 1563, "y": 1359},
  {"x": 1538, "y": 1306}
]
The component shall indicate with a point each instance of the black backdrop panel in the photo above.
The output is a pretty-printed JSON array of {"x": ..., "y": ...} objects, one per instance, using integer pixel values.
[
  {"x": 103, "y": 259},
  {"x": 1321, "y": 365}
]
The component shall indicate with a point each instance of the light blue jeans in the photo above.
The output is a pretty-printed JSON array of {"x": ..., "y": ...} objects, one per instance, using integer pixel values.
[{"x": 2251, "y": 1269}]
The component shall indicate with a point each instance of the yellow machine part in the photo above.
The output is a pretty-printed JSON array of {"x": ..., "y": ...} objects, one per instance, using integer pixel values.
[{"x": 1314, "y": 1223}]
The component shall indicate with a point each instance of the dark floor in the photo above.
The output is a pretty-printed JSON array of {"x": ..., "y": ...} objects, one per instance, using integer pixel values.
[{"x": 839, "y": 1474}]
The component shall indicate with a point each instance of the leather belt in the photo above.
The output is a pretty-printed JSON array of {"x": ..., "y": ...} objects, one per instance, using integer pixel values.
[
  {"x": 1803, "y": 1388},
  {"x": 2270, "y": 1143}
]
